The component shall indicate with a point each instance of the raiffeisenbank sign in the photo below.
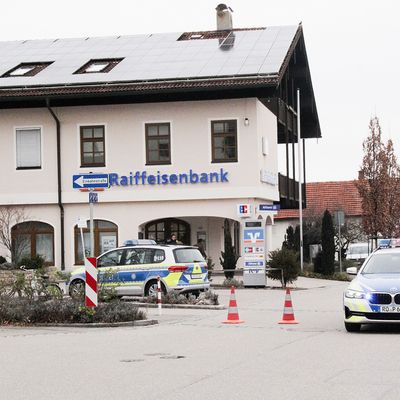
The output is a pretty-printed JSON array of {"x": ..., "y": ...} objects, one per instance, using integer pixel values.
[{"x": 140, "y": 178}]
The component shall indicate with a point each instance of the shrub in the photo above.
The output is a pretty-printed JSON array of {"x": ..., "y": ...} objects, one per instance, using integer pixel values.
[
  {"x": 229, "y": 282},
  {"x": 210, "y": 266},
  {"x": 337, "y": 276},
  {"x": 328, "y": 244},
  {"x": 229, "y": 255},
  {"x": 63, "y": 276},
  {"x": 35, "y": 262},
  {"x": 348, "y": 264},
  {"x": 208, "y": 298},
  {"x": 25, "y": 311},
  {"x": 287, "y": 260},
  {"x": 7, "y": 266},
  {"x": 318, "y": 263}
]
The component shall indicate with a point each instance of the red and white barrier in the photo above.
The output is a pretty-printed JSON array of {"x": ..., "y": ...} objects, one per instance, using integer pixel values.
[
  {"x": 91, "y": 282},
  {"x": 159, "y": 295}
]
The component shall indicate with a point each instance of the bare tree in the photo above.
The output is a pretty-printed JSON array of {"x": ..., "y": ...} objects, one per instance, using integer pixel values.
[
  {"x": 9, "y": 217},
  {"x": 378, "y": 185},
  {"x": 350, "y": 232}
]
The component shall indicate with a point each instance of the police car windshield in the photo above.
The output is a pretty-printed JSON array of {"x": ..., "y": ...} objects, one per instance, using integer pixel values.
[
  {"x": 188, "y": 255},
  {"x": 383, "y": 264}
]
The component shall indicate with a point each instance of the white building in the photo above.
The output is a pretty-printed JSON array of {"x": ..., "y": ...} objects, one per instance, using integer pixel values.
[{"x": 187, "y": 125}]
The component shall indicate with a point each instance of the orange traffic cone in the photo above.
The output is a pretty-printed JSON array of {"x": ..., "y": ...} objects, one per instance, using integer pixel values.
[
  {"x": 288, "y": 314},
  {"x": 233, "y": 314}
]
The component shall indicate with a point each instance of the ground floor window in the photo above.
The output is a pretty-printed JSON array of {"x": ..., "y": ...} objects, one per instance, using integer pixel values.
[
  {"x": 33, "y": 238},
  {"x": 162, "y": 230},
  {"x": 105, "y": 238}
]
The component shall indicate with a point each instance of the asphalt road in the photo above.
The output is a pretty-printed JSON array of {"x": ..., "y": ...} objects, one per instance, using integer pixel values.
[{"x": 190, "y": 354}]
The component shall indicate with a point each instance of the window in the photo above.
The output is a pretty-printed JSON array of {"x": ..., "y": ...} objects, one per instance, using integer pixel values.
[
  {"x": 162, "y": 230},
  {"x": 92, "y": 146},
  {"x": 144, "y": 256},
  {"x": 111, "y": 259},
  {"x": 105, "y": 238},
  {"x": 188, "y": 255},
  {"x": 28, "y": 148},
  {"x": 224, "y": 141},
  {"x": 100, "y": 65},
  {"x": 158, "y": 144},
  {"x": 30, "y": 239},
  {"x": 26, "y": 69}
]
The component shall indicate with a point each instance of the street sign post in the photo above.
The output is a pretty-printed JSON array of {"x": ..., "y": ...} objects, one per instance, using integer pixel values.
[
  {"x": 90, "y": 181},
  {"x": 82, "y": 223},
  {"x": 254, "y": 253}
]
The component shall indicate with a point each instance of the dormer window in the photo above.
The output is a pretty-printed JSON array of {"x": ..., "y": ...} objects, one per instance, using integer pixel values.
[
  {"x": 196, "y": 36},
  {"x": 100, "y": 65},
  {"x": 26, "y": 69}
]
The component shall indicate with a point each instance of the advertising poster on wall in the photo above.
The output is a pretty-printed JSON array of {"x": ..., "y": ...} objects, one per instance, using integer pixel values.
[{"x": 108, "y": 242}]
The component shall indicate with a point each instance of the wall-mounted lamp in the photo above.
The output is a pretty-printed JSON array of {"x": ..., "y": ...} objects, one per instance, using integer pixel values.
[{"x": 246, "y": 122}]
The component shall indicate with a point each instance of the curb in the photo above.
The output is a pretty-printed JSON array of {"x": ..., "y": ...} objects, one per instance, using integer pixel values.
[
  {"x": 187, "y": 306},
  {"x": 146, "y": 322}
]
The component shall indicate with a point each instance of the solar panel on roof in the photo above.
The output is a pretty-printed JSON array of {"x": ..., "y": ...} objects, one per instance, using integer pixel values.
[
  {"x": 217, "y": 53},
  {"x": 228, "y": 42}
]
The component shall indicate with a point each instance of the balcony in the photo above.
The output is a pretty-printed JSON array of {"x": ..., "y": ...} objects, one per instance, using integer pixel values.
[{"x": 289, "y": 193}]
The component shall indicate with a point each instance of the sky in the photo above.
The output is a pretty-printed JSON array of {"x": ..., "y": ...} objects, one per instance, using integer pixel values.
[{"x": 351, "y": 46}]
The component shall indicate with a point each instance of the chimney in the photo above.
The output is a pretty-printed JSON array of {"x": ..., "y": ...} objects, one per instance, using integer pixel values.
[{"x": 224, "y": 17}]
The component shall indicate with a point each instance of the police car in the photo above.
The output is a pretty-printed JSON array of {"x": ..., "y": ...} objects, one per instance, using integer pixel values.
[
  {"x": 374, "y": 295},
  {"x": 133, "y": 270}
]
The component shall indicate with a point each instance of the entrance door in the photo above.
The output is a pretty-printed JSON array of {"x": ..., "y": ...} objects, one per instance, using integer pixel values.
[{"x": 162, "y": 229}]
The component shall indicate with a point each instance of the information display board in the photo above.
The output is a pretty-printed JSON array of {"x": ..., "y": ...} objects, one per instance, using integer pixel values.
[{"x": 254, "y": 253}]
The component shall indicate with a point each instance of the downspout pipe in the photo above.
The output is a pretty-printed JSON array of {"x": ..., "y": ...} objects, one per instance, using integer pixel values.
[{"x": 59, "y": 193}]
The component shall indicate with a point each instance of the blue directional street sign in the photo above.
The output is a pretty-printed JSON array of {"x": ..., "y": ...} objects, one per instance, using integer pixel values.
[
  {"x": 269, "y": 207},
  {"x": 90, "y": 181},
  {"x": 93, "y": 197}
]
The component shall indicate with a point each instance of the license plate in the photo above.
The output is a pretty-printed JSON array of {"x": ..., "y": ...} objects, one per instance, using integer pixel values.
[
  {"x": 197, "y": 276},
  {"x": 394, "y": 309}
]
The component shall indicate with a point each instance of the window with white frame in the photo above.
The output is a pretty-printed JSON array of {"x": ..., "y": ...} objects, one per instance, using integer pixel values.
[{"x": 28, "y": 148}]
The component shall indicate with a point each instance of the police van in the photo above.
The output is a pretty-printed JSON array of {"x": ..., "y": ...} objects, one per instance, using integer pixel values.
[{"x": 133, "y": 270}]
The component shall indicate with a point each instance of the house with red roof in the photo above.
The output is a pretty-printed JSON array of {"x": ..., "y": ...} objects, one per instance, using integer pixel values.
[{"x": 321, "y": 196}]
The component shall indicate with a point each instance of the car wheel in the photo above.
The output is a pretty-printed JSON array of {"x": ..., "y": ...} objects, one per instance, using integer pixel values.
[
  {"x": 352, "y": 327},
  {"x": 77, "y": 290},
  {"x": 151, "y": 289}
]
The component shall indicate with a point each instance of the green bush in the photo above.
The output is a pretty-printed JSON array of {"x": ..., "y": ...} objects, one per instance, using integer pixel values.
[
  {"x": 348, "y": 264},
  {"x": 318, "y": 263},
  {"x": 328, "y": 244},
  {"x": 35, "y": 262},
  {"x": 7, "y": 266},
  {"x": 204, "y": 298},
  {"x": 337, "y": 276},
  {"x": 229, "y": 282},
  {"x": 229, "y": 256},
  {"x": 288, "y": 261},
  {"x": 210, "y": 267},
  {"x": 26, "y": 311}
]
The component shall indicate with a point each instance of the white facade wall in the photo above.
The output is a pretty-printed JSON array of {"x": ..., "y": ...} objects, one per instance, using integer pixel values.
[{"x": 202, "y": 205}]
